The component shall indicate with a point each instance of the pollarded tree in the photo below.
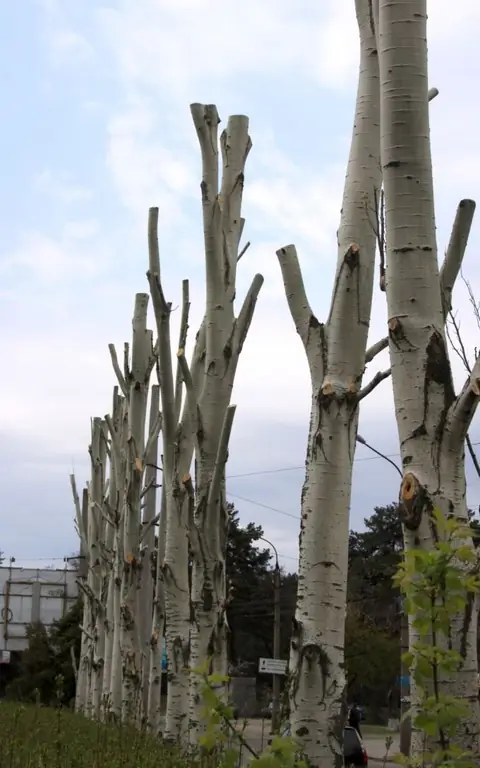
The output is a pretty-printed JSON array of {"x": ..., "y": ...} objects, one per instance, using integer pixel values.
[
  {"x": 432, "y": 421},
  {"x": 196, "y": 514},
  {"x": 337, "y": 355}
]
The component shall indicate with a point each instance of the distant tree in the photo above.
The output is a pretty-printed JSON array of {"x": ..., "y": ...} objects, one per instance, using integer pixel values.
[
  {"x": 36, "y": 672},
  {"x": 250, "y": 610},
  {"x": 372, "y": 661},
  {"x": 64, "y": 638},
  {"x": 374, "y": 555},
  {"x": 45, "y": 672}
]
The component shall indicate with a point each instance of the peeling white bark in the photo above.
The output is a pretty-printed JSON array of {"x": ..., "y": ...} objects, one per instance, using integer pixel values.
[
  {"x": 137, "y": 379},
  {"x": 432, "y": 422},
  {"x": 336, "y": 353},
  {"x": 113, "y": 515},
  {"x": 148, "y": 543},
  {"x": 177, "y": 457},
  {"x": 157, "y": 631},
  {"x": 83, "y": 669},
  {"x": 212, "y": 415}
]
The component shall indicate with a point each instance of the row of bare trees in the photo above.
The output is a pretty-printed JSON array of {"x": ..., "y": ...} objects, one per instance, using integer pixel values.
[
  {"x": 153, "y": 574},
  {"x": 139, "y": 584}
]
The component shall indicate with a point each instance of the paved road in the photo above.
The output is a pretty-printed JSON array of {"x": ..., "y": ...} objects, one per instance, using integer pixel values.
[{"x": 257, "y": 734}]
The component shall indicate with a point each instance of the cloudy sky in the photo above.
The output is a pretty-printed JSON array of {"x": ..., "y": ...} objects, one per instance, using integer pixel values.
[{"x": 96, "y": 128}]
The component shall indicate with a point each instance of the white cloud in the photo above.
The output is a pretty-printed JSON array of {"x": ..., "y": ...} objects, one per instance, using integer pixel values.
[
  {"x": 52, "y": 260},
  {"x": 65, "y": 44},
  {"x": 187, "y": 46},
  {"x": 61, "y": 188}
]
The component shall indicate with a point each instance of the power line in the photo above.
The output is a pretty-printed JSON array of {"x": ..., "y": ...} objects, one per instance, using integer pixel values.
[
  {"x": 279, "y": 470},
  {"x": 264, "y": 506}
]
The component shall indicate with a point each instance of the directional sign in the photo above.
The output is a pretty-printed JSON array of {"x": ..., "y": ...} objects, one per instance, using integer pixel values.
[
  {"x": 272, "y": 666},
  {"x": 4, "y": 657}
]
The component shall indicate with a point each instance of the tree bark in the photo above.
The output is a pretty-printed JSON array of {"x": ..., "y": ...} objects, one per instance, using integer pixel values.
[
  {"x": 148, "y": 541},
  {"x": 211, "y": 413},
  {"x": 96, "y": 536},
  {"x": 113, "y": 514},
  {"x": 83, "y": 671},
  {"x": 138, "y": 378},
  {"x": 336, "y": 353},
  {"x": 177, "y": 457},
  {"x": 432, "y": 421},
  {"x": 158, "y": 631}
]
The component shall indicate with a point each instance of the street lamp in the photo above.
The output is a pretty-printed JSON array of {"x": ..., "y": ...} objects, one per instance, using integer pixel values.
[
  {"x": 405, "y": 723},
  {"x": 362, "y": 441},
  {"x": 276, "y": 636}
]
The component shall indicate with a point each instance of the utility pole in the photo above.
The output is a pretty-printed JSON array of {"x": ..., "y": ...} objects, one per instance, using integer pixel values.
[
  {"x": 276, "y": 638},
  {"x": 276, "y": 647}
]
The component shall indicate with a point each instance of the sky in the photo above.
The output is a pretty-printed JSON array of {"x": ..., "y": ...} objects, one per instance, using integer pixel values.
[{"x": 96, "y": 128}]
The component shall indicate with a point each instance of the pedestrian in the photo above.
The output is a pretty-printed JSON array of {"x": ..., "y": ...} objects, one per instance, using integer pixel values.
[{"x": 354, "y": 718}]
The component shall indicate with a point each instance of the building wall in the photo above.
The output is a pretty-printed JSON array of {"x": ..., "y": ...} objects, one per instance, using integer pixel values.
[{"x": 32, "y": 594}]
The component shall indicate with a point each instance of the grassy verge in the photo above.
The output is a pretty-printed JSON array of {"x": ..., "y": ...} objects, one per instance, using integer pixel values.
[
  {"x": 375, "y": 730},
  {"x": 39, "y": 737}
]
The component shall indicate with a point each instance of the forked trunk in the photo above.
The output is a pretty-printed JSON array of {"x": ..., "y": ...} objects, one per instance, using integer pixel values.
[
  {"x": 210, "y": 404},
  {"x": 148, "y": 541},
  {"x": 336, "y": 353},
  {"x": 154, "y": 709},
  {"x": 432, "y": 422}
]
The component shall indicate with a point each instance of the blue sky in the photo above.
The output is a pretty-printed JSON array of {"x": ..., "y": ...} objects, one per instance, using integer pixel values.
[{"x": 97, "y": 128}]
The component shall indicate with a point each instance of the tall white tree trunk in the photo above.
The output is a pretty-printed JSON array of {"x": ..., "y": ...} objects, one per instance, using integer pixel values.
[
  {"x": 336, "y": 352},
  {"x": 148, "y": 571},
  {"x": 96, "y": 534},
  {"x": 137, "y": 380},
  {"x": 113, "y": 514},
  {"x": 212, "y": 416},
  {"x": 158, "y": 630},
  {"x": 177, "y": 458},
  {"x": 83, "y": 670},
  {"x": 432, "y": 422}
]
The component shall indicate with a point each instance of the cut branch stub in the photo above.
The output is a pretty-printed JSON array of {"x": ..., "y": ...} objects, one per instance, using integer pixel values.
[{"x": 414, "y": 501}]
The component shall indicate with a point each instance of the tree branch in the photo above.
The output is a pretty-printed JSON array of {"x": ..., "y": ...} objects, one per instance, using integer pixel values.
[
  {"x": 191, "y": 396},
  {"x": 473, "y": 455},
  {"x": 149, "y": 525},
  {"x": 221, "y": 459},
  {"x": 375, "y": 349},
  {"x": 462, "y": 410},
  {"x": 118, "y": 373},
  {"x": 246, "y": 313},
  {"x": 78, "y": 511},
  {"x": 162, "y": 316},
  {"x": 182, "y": 342},
  {"x": 243, "y": 251},
  {"x": 205, "y": 118},
  {"x": 377, "y": 379},
  {"x": 455, "y": 252},
  {"x": 152, "y": 436},
  {"x": 298, "y": 303}
]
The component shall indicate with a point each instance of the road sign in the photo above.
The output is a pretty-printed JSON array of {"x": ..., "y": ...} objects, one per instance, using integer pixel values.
[
  {"x": 272, "y": 666},
  {"x": 4, "y": 657}
]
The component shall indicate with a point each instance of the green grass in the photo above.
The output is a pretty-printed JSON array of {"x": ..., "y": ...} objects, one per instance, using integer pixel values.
[
  {"x": 39, "y": 737},
  {"x": 375, "y": 730}
]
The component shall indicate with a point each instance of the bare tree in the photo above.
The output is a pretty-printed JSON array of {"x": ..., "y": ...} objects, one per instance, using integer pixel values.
[
  {"x": 337, "y": 355},
  {"x": 195, "y": 513},
  {"x": 432, "y": 421}
]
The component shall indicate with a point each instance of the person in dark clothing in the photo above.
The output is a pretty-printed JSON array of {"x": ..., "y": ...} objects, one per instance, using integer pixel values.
[{"x": 354, "y": 718}]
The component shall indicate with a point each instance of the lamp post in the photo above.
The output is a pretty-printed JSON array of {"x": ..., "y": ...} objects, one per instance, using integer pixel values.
[
  {"x": 405, "y": 723},
  {"x": 276, "y": 636}
]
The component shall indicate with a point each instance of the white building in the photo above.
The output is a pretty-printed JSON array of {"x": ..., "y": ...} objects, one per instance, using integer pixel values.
[{"x": 32, "y": 594}]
